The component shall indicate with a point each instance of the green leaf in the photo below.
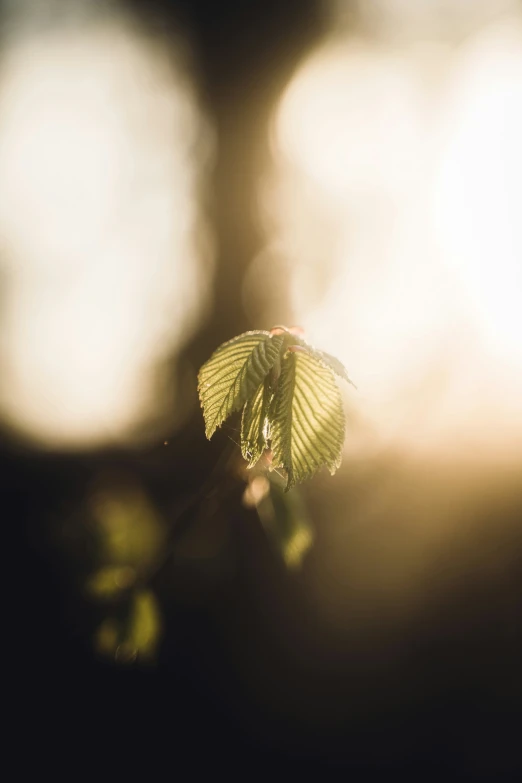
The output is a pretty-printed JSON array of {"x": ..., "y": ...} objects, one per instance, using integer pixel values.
[
  {"x": 326, "y": 358},
  {"x": 306, "y": 418},
  {"x": 233, "y": 374},
  {"x": 254, "y": 424},
  {"x": 334, "y": 364}
]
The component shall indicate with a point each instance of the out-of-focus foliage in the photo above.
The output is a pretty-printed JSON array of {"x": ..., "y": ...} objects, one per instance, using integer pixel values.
[
  {"x": 109, "y": 581},
  {"x": 284, "y": 516},
  {"x": 130, "y": 541},
  {"x": 290, "y": 400},
  {"x": 134, "y": 633},
  {"x": 129, "y": 530}
]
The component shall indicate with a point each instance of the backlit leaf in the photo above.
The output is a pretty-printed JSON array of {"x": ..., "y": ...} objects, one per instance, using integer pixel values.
[
  {"x": 306, "y": 418},
  {"x": 334, "y": 364},
  {"x": 254, "y": 424},
  {"x": 326, "y": 358},
  {"x": 233, "y": 374}
]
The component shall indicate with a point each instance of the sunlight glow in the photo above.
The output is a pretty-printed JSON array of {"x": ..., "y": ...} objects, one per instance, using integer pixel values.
[
  {"x": 102, "y": 275},
  {"x": 479, "y": 188},
  {"x": 395, "y": 200}
]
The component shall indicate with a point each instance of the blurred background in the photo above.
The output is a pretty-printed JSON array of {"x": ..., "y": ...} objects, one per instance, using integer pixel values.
[{"x": 175, "y": 173}]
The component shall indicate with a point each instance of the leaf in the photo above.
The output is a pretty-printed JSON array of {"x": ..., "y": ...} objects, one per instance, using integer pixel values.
[
  {"x": 326, "y": 358},
  {"x": 233, "y": 374},
  {"x": 254, "y": 424},
  {"x": 306, "y": 418},
  {"x": 334, "y": 364}
]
